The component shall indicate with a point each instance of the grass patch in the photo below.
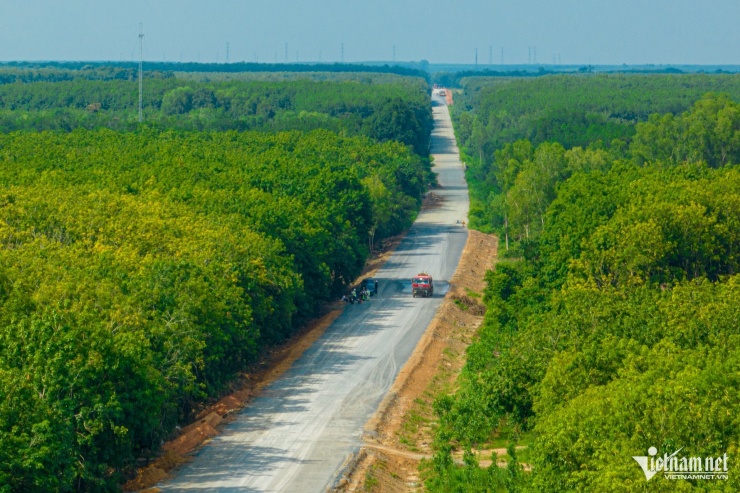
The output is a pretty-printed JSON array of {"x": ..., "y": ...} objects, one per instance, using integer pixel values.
[
  {"x": 370, "y": 481},
  {"x": 473, "y": 294},
  {"x": 469, "y": 304}
]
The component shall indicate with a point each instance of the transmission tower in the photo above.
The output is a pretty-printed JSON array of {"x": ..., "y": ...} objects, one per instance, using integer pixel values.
[
  {"x": 141, "y": 73},
  {"x": 342, "y": 59}
]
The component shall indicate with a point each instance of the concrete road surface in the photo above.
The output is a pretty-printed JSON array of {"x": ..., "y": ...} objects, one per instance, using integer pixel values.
[{"x": 296, "y": 435}]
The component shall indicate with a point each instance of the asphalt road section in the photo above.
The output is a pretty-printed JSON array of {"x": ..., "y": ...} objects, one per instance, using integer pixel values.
[{"x": 295, "y": 436}]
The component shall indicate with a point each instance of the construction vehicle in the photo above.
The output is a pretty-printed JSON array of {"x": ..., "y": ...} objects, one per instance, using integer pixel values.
[{"x": 422, "y": 285}]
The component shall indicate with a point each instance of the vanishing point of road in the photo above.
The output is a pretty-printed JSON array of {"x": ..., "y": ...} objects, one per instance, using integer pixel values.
[{"x": 297, "y": 433}]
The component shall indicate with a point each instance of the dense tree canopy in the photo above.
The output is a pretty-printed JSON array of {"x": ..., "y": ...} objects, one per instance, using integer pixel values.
[
  {"x": 592, "y": 112},
  {"x": 142, "y": 267},
  {"x": 140, "y": 271},
  {"x": 612, "y": 326},
  {"x": 396, "y": 109}
]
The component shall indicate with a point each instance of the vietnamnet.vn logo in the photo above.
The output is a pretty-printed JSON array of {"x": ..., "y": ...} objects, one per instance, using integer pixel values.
[{"x": 674, "y": 467}]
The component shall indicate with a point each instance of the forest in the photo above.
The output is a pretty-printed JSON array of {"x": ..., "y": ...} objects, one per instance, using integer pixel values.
[
  {"x": 584, "y": 112},
  {"x": 396, "y": 108},
  {"x": 143, "y": 266},
  {"x": 612, "y": 322}
]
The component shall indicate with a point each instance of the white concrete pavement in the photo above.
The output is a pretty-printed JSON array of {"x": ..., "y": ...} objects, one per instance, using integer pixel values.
[{"x": 295, "y": 436}]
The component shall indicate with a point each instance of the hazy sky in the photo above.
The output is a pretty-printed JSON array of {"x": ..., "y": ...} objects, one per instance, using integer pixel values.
[{"x": 565, "y": 31}]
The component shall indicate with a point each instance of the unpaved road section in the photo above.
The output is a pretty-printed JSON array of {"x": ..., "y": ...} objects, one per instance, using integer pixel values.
[{"x": 296, "y": 435}]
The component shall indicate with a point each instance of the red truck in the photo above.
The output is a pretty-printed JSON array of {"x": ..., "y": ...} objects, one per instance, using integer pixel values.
[{"x": 422, "y": 285}]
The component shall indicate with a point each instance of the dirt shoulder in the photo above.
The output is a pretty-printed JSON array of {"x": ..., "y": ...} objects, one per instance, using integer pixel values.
[{"x": 400, "y": 433}]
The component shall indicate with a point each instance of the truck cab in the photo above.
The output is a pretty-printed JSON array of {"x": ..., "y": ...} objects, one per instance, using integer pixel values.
[{"x": 422, "y": 285}]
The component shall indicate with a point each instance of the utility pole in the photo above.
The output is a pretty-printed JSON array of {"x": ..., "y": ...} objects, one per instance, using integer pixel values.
[
  {"x": 227, "y": 52},
  {"x": 342, "y": 58},
  {"x": 141, "y": 73},
  {"x": 535, "y": 54},
  {"x": 476, "y": 58}
]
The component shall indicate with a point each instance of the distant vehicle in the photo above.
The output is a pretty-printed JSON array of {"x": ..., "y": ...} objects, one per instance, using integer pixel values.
[
  {"x": 422, "y": 285},
  {"x": 442, "y": 92},
  {"x": 371, "y": 285}
]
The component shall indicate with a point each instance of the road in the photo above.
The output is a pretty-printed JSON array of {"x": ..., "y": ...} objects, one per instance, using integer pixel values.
[{"x": 295, "y": 436}]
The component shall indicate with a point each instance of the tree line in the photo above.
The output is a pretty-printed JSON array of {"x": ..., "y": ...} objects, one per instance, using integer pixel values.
[
  {"x": 611, "y": 325},
  {"x": 58, "y": 71}
]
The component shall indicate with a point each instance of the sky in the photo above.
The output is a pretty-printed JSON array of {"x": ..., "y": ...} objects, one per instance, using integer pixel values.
[{"x": 569, "y": 32}]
